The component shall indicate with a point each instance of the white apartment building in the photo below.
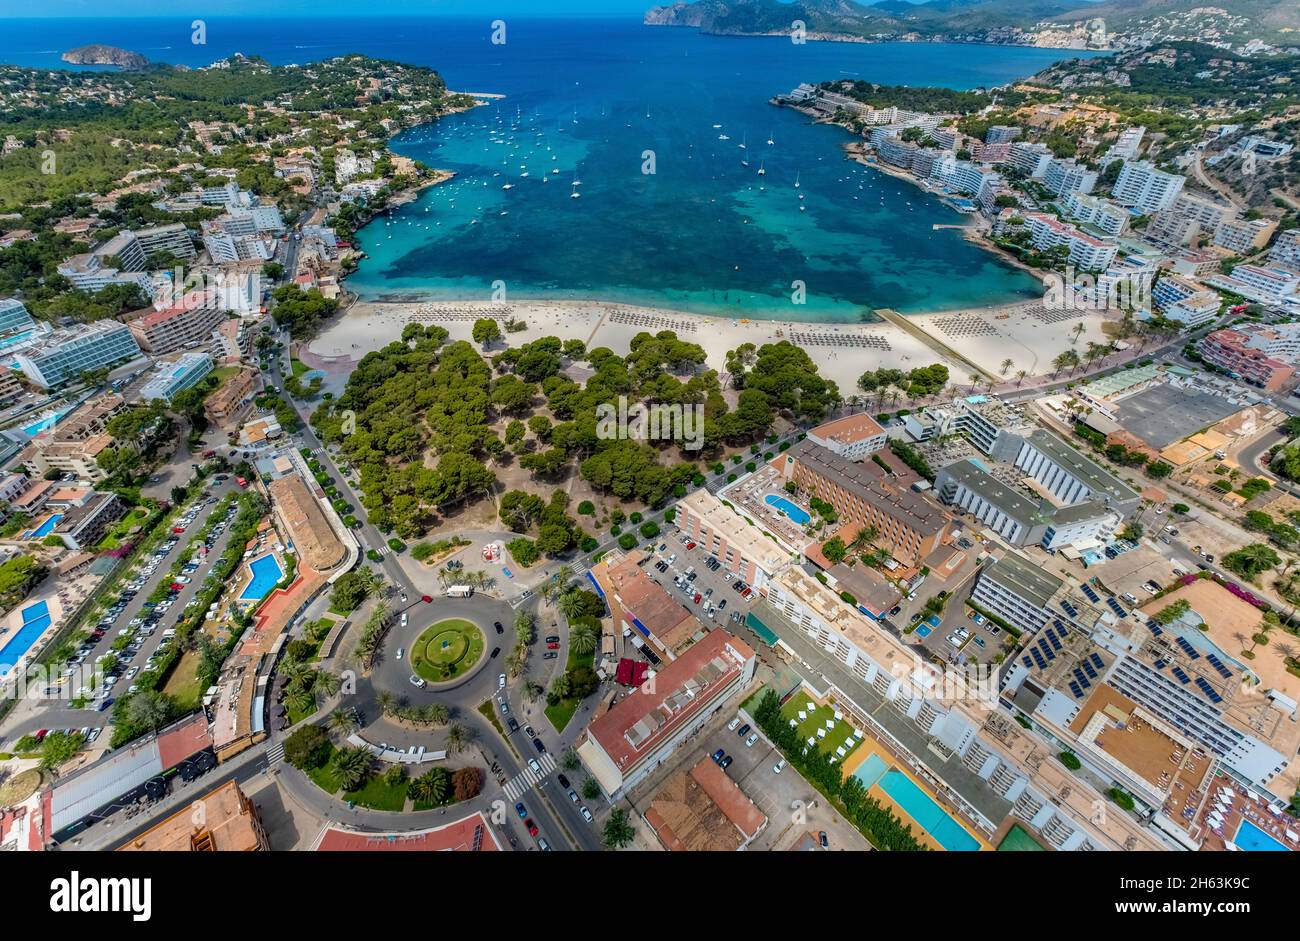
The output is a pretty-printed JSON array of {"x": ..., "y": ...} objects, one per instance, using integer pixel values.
[
  {"x": 1240, "y": 236},
  {"x": 87, "y": 273},
  {"x": 1086, "y": 252},
  {"x": 1286, "y": 250},
  {"x": 1065, "y": 176},
  {"x": 1096, "y": 211},
  {"x": 1258, "y": 283},
  {"x": 1030, "y": 159},
  {"x": 1145, "y": 188}
]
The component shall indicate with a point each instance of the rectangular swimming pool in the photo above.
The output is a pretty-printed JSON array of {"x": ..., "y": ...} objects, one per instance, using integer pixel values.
[
  {"x": 1252, "y": 839},
  {"x": 36, "y": 618},
  {"x": 266, "y": 574},
  {"x": 931, "y": 817}
]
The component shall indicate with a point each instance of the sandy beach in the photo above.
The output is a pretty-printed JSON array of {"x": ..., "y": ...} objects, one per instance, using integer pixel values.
[{"x": 842, "y": 352}]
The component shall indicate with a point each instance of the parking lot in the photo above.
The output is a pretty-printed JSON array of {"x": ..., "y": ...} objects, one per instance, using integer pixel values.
[
  {"x": 132, "y": 631},
  {"x": 961, "y": 635},
  {"x": 686, "y": 573}
]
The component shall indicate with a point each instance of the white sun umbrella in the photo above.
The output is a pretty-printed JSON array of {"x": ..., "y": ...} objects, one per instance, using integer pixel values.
[
  {"x": 793, "y": 724},
  {"x": 821, "y": 733},
  {"x": 840, "y": 751},
  {"x": 802, "y": 715},
  {"x": 830, "y": 723},
  {"x": 811, "y": 740}
]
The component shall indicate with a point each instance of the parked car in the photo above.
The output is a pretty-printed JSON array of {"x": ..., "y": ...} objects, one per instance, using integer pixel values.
[
  {"x": 743, "y": 730},
  {"x": 417, "y": 681}
]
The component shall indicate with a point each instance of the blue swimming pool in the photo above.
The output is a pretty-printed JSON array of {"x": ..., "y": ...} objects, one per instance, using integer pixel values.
[
  {"x": 36, "y": 618},
  {"x": 932, "y": 818},
  {"x": 1252, "y": 839},
  {"x": 789, "y": 509},
  {"x": 46, "y": 527},
  {"x": 43, "y": 424},
  {"x": 266, "y": 574}
]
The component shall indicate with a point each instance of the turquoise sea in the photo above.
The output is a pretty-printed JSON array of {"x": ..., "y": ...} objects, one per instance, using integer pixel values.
[{"x": 602, "y": 102}]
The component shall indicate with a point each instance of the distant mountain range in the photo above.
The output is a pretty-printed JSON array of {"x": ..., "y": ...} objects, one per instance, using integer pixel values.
[{"x": 1166, "y": 19}]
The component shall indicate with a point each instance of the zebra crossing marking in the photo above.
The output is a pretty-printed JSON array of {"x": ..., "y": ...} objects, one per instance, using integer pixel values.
[
  {"x": 528, "y": 779},
  {"x": 275, "y": 754}
]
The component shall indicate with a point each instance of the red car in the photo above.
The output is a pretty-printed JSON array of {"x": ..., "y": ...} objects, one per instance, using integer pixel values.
[
  {"x": 177, "y": 586},
  {"x": 698, "y": 596},
  {"x": 532, "y": 827},
  {"x": 178, "y": 529},
  {"x": 427, "y": 599},
  {"x": 690, "y": 545},
  {"x": 552, "y": 646},
  {"x": 40, "y": 736},
  {"x": 747, "y": 592}
]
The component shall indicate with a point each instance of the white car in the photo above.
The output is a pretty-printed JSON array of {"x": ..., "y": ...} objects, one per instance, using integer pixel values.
[
  {"x": 731, "y": 726},
  {"x": 778, "y": 767},
  {"x": 401, "y": 652},
  {"x": 749, "y": 742},
  {"x": 417, "y": 681},
  {"x": 501, "y": 681},
  {"x": 532, "y": 763},
  {"x": 586, "y": 815}
]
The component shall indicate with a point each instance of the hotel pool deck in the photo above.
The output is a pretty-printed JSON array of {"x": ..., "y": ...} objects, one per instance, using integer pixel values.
[
  {"x": 266, "y": 573},
  {"x": 26, "y": 627},
  {"x": 761, "y": 496},
  {"x": 895, "y": 788},
  {"x": 1254, "y": 840},
  {"x": 46, "y": 527}
]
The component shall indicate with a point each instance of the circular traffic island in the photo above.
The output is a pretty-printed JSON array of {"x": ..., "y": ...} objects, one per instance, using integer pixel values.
[{"x": 447, "y": 650}]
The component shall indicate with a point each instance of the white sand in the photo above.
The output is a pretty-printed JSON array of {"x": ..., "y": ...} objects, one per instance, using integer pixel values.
[{"x": 368, "y": 326}]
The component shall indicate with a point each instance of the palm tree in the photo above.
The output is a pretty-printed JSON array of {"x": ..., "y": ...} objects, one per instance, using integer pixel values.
[
  {"x": 344, "y": 721},
  {"x": 301, "y": 700},
  {"x": 532, "y": 691},
  {"x": 583, "y": 639},
  {"x": 1020, "y": 377},
  {"x": 557, "y": 584},
  {"x": 1078, "y": 331},
  {"x": 352, "y": 766},
  {"x": 294, "y": 671},
  {"x": 1006, "y": 365},
  {"x": 570, "y": 604},
  {"x": 327, "y": 683},
  {"x": 975, "y": 380},
  {"x": 370, "y": 581},
  {"x": 570, "y": 760},
  {"x": 430, "y": 787},
  {"x": 438, "y": 714},
  {"x": 458, "y": 738},
  {"x": 516, "y": 659},
  {"x": 386, "y": 701}
]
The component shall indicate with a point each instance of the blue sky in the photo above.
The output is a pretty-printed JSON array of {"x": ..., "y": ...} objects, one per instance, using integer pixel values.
[{"x": 200, "y": 8}]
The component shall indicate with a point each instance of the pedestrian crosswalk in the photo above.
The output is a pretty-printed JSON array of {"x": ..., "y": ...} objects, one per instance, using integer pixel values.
[
  {"x": 275, "y": 754},
  {"x": 528, "y": 779}
]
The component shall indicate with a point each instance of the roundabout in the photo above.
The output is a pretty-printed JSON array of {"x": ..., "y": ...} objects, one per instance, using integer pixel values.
[{"x": 447, "y": 650}]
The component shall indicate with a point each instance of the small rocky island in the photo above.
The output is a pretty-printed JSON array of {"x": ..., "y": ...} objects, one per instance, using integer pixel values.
[{"x": 97, "y": 54}]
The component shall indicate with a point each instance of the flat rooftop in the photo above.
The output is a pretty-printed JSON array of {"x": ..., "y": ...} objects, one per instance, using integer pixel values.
[
  {"x": 1163, "y": 414},
  {"x": 227, "y": 823},
  {"x": 1025, "y": 579},
  {"x": 1093, "y": 475}
]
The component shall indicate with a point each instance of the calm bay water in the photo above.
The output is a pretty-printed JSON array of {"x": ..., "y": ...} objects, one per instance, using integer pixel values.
[{"x": 597, "y": 103}]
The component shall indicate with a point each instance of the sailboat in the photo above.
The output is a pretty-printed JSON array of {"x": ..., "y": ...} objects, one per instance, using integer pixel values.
[
  {"x": 576, "y": 183},
  {"x": 770, "y": 141},
  {"x": 761, "y": 170},
  {"x": 743, "y": 142},
  {"x": 796, "y": 179}
]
